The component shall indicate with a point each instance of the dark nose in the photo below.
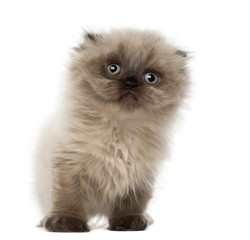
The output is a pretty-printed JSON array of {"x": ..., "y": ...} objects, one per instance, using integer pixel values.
[{"x": 131, "y": 83}]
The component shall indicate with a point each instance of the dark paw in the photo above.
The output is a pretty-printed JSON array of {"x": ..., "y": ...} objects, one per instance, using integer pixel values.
[
  {"x": 65, "y": 224},
  {"x": 128, "y": 223}
]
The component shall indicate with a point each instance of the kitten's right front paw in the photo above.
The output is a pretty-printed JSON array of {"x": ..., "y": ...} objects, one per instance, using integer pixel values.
[{"x": 65, "y": 224}]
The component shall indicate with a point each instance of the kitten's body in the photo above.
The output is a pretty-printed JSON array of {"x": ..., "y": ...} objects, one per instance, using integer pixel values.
[{"x": 103, "y": 153}]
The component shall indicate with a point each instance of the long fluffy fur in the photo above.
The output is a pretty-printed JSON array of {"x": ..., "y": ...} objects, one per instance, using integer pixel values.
[{"x": 97, "y": 150}]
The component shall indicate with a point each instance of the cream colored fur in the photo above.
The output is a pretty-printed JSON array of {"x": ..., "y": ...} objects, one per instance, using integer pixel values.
[{"x": 107, "y": 149}]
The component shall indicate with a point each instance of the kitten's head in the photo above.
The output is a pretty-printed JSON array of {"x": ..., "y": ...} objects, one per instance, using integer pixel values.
[{"x": 130, "y": 70}]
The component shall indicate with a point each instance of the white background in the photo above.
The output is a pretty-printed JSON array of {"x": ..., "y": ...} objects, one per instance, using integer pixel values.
[{"x": 204, "y": 189}]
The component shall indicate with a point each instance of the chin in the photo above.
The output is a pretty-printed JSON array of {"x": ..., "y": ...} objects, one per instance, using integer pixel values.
[{"x": 128, "y": 102}]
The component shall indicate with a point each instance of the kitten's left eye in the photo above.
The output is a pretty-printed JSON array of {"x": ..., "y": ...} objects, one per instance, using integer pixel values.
[
  {"x": 114, "y": 69},
  {"x": 150, "y": 78}
]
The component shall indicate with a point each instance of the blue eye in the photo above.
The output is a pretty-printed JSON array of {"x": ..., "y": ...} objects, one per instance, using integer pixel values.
[
  {"x": 150, "y": 78},
  {"x": 114, "y": 69}
]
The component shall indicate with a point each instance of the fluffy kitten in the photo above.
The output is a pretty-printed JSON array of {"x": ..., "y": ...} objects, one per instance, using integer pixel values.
[{"x": 101, "y": 153}]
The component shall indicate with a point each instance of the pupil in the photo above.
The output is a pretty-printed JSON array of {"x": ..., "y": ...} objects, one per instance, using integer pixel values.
[
  {"x": 151, "y": 78},
  {"x": 113, "y": 68}
]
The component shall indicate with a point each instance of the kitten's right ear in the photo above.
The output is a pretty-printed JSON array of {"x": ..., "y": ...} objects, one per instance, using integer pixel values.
[
  {"x": 92, "y": 37},
  {"x": 89, "y": 38}
]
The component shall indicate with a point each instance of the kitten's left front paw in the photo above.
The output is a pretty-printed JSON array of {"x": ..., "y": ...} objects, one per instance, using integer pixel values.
[{"x": 128, "y": 223}]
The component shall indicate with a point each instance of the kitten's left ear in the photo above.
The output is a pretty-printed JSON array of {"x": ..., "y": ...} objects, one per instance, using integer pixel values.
[{"x": 181, "y": 53}]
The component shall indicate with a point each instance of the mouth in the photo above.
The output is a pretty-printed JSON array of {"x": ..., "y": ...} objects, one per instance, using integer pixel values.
[{"x": 129, "y": 96}]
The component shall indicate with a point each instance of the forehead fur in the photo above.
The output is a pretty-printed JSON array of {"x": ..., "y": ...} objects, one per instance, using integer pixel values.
[{"x": 134, "y": 49}]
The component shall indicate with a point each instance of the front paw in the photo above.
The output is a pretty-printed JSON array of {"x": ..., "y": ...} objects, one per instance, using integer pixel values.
[
  {"x": 65, "y": 224},
  {"x": 128, "y": 223}
]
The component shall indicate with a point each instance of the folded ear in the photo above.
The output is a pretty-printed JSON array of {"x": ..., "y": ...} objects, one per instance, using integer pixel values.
[
  {"x": 181, "y": 53},
  {"x": 89, "y": 38},
  {"x": 92, "y": 37}
]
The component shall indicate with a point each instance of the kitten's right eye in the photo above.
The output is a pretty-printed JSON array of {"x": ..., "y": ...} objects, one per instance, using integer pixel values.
[{"x": 114, "y": 69}]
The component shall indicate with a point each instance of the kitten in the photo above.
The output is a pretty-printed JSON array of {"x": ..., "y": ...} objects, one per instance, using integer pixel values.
[{"x": 101, "y": 153}]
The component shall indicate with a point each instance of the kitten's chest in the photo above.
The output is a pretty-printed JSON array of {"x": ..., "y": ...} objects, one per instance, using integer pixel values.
[
  {"x": 122, "y": 158},
  {"x": 116, "y": 144},
  {"x": 114, "y": 147}
]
